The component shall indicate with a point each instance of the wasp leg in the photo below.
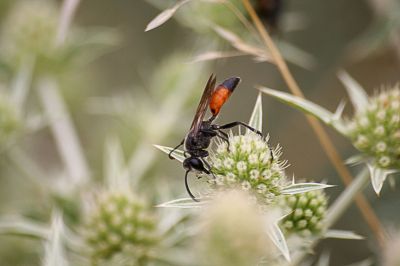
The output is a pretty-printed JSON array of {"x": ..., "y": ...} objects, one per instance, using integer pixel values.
[
  {"x": 170, "y": 153},
  {"x": 208, "y": 171},
  {"x": 224, "y": 137},
  {"x": 187, "y": 187},
  {"x": 238, "y": 123}
]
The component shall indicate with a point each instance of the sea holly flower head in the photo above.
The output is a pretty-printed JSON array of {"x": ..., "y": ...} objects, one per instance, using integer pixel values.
[
  {"x": 29, "y": 30},
  {"x": 306, "y": 213},
  {"x": 248, "y": 163},
  {"x": 121, "y": 223},
  {"x": 374, "y": 129},
  {"x": 231, "y": 232}
]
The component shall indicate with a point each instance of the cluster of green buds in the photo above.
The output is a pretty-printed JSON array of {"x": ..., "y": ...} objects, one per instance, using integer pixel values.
[
  {"x": 121, "y": 224},
  {"x": 9, "y": 121},
  {"x": 306, "y": 212},
  {"x": 376, "y": 129},
  {"x": 248, "y": 163},
  {"x": 29, "y": 30}
]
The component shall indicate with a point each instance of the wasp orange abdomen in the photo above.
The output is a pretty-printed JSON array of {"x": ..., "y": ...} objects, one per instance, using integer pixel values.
[{"x": 222, "y": 93}]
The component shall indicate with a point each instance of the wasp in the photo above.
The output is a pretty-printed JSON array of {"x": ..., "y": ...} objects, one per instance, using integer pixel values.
[{"x": 202, "y": 131}]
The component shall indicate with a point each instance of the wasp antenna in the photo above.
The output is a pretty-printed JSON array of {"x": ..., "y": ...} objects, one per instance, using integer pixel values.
[{"x": 188, "y": 189}]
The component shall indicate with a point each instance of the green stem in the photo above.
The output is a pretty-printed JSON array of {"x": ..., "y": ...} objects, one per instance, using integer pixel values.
[{"x": 346, "y": 198}]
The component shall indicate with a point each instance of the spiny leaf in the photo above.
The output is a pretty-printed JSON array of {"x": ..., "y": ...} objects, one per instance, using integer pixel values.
[
  {"x": 240, "y": 44},
  {"x": 185, "y": 203},
  {"x": 257, "y": 115},
  {"x": 23, "y": 226},
  {"x": 54, "y": 248},
  {"x": 165, "y": 15},
  {"x": 356, "y": 159},
  {"x": 339, "y": 110},
  {"x": 378, "y": 176},
  {"x": 357, "y": 95},
  {"x": 278, "y": 238},
  {"x": 306, "y": 106},
  {"x": 303, "y": 188},
  {"x": 177, "y": 154},
  {"x": 213, "y": 55},
  {"x": 342, "y": 234}
]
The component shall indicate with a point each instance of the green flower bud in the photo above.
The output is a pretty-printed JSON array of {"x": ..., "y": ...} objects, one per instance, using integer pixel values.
[
  {"x": 307, "y": 212},
  {"x": 375, "y": 131},
  {"x": 249, "y": 164},
  {"x": 121, "y": 224}
]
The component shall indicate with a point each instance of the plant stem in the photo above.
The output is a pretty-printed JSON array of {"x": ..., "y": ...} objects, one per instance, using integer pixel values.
[
  {"x": 363, "y": 205},
  {"x": 67, "y": 13},
  {"x": 344, "y": 200},
  {"x": 61, "y": 124},
  {"x": 63, "y": 131}
]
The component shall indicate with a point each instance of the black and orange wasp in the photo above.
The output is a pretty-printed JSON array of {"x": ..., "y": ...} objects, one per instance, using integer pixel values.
[{"x": 202, "y": 131}]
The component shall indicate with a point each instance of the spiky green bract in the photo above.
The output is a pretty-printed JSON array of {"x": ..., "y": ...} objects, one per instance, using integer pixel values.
[
  {"x": 307, "y": 210},
  {"x": 10, "y": 121},
  {"x": 232, "y": 233},
  {"x": 249, "y": 164},
  {"x": 121, "y": 223},
  {"x": 375, "y": 130}
]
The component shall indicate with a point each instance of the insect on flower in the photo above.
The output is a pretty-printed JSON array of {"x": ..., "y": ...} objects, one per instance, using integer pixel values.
[{"x": 202, "y": 131}]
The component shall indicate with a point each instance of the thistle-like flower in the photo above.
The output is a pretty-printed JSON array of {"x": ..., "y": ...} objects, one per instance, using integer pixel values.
[
  {"x": 375, "y": 130},
  {"x": 231, "y": 235},
  {"x": 121, "y": 223},
  {"x": 306, "y": 212},
  {"x": 248, "y": 163}
]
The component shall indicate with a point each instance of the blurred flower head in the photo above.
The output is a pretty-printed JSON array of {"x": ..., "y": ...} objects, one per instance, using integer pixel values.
[
  {"x": 249, "y": 164},
  {"x": 121, "y": 223},
  {"x": 233, "y": 232},
  {"x": 29, "y": 30}
]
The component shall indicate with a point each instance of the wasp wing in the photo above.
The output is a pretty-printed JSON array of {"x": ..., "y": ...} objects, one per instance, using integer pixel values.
[{"x": 202, "y": 107}]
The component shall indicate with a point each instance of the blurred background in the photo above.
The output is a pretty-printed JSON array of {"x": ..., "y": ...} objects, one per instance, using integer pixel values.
[{"x": 143, "y": 88}]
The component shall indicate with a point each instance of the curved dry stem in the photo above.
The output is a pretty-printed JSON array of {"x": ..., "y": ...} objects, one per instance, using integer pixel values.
[{"x": 363, "y": 205}]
